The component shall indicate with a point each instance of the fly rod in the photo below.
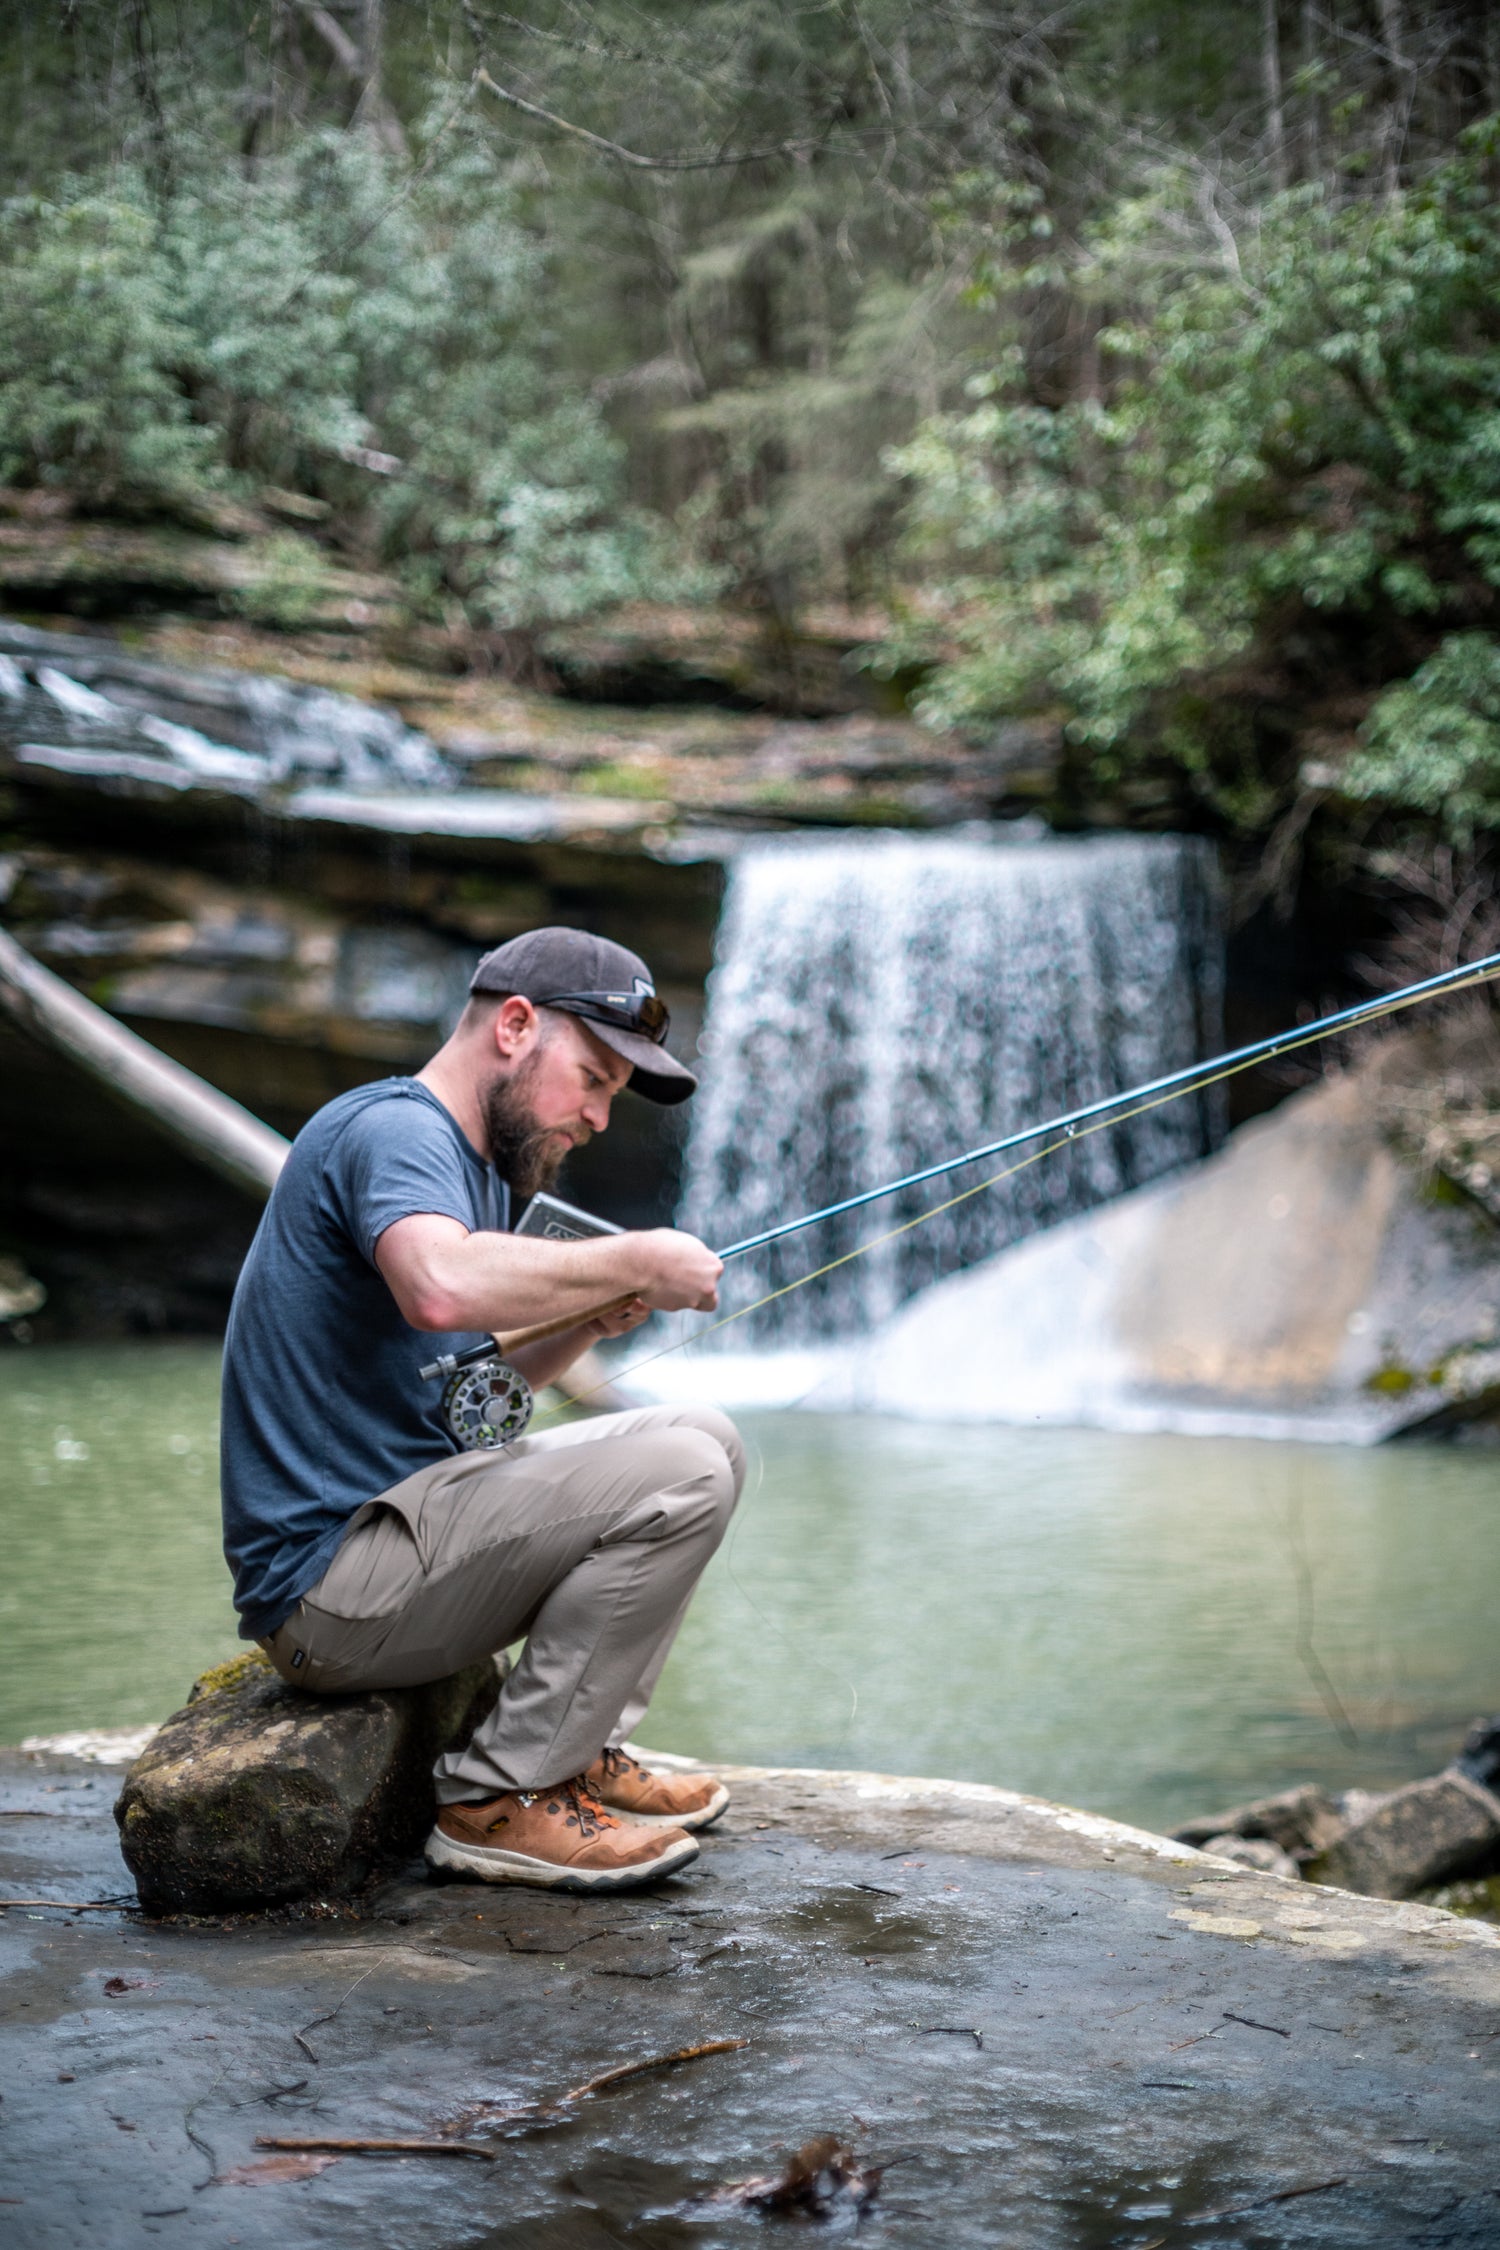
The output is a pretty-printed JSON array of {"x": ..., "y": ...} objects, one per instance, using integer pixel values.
[
  {"x": 492, "y": 1407},
  {"x": 1182, "y": 1081}
]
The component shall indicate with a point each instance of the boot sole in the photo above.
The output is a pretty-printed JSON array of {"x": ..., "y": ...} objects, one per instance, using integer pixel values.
[
  {"x": 544, "y": 1874},
  {"x": 718, "y": 1803}
]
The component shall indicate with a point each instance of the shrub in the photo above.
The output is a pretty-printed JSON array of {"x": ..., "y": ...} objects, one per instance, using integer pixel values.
[
  {"x": 1302, "y": 426},
  {"x": 91, "y": 353},
  {"x": 1432, "y": 743},
  {"x": 335, "y": 326}
]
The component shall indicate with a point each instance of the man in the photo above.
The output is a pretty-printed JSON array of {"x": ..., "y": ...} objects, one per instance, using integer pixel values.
[{"x": 367, "y": 1551}]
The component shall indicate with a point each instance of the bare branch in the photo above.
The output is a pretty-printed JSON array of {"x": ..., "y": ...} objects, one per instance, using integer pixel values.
[
  {"x": 632, "y": 156},
  {"x": 335, "y": 38},
  {"x": 355, "y": 64}
]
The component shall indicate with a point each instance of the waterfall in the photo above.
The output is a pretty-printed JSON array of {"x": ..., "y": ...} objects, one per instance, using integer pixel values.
[{"x": 878, "y": 1003}]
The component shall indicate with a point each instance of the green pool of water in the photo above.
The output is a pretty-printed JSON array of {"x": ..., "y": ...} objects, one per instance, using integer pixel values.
[{"x": 1145, "y": 1626}]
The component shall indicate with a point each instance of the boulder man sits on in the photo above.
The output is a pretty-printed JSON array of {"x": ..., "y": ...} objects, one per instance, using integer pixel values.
[{"x": 367, "y": 1552}]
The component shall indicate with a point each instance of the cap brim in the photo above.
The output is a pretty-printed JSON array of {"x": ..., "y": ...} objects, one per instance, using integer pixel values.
[{"x": 655, "y": 1073}]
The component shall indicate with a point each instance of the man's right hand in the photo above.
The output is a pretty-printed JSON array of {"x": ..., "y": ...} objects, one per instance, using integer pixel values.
[{"x": 686, "y": 1272}]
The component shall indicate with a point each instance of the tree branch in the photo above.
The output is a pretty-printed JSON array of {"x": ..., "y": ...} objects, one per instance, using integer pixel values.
[
  {"x": 629, "y": 155},
  {"x": 335, "y": 38},
  {"x": 356, "y": 65}
]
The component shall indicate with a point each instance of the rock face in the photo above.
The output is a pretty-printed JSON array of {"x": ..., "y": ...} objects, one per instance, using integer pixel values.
[
  {"x": 1319, "y": 1277},
  {"x": 254, "y": 1795},
  {"x": 1426, "y": 1833}
]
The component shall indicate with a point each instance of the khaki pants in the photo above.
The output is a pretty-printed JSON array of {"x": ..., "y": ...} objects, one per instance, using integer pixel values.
[{"x": 587, "y": 1540}]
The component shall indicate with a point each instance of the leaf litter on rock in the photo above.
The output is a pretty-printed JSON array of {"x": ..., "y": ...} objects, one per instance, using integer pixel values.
[{"x": 822, "y": 2179}]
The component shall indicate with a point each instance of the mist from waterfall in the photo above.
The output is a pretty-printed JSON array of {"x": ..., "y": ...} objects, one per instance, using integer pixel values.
[{"x": 878, "y": 1003}]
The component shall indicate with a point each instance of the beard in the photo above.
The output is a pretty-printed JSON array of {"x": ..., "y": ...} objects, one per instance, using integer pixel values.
[{"x": 523, "y": 1152}]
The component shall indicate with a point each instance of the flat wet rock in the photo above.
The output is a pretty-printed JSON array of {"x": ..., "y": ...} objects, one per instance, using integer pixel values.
[{"x": 1052, "y": 2030}]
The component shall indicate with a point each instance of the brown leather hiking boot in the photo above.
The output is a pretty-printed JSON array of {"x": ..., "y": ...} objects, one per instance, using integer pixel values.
[
  {"x": 655, "y": 1800},
  {"x": 560, "y": 1839}
]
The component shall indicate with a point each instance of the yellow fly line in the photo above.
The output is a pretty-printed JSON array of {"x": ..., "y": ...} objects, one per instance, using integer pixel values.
[{"x": 1211, "y": 1077}]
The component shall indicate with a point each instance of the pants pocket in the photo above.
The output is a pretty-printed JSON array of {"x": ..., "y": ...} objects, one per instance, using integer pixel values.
[
  {"x": 327, "y": 1655},
  {"x": 376, "y": 1570}
]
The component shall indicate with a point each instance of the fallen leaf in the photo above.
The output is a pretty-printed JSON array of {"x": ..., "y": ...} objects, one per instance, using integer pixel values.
[
  {"x": 268, "y": 2169},
  {"x": 823, "y": 2177}
]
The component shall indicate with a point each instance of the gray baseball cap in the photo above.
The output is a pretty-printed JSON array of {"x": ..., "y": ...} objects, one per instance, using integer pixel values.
[{"x": 607, "y": 986}]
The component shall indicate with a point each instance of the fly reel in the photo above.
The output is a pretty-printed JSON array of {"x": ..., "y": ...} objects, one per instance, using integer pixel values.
[{"x": 486, "y": 1405}]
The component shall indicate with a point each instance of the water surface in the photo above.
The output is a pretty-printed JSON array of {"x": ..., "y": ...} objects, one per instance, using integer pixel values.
[{"x": 1147, "y": 1626}]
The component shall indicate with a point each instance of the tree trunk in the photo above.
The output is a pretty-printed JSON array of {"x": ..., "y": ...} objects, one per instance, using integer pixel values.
[
  {"x": 1270, "y": 63},
  {"x": 194, "y": 1114},
  {"x": 148, "y": 94},
  {"x": 1401, "y": 72},
  {"x": 1312, "y": 98},
  {"x": 371, "y": 107}
]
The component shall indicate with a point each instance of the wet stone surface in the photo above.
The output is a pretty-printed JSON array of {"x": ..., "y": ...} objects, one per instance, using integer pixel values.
[{"x": 1053, "y": 2033}]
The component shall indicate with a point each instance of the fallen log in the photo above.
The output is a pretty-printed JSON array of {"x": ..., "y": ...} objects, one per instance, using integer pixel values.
[{"x": 211, "y": 1127}]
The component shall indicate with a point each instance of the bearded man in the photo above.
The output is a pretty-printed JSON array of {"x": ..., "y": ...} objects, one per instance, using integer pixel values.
[{"x": 367, "y": 1551}]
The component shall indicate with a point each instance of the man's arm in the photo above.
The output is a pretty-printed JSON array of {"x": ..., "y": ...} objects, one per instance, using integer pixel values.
[{"x": 444, "y": 1278}]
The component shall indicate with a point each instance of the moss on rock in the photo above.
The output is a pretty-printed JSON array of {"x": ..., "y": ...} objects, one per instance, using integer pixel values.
[{"x": 249, "y": 1663}]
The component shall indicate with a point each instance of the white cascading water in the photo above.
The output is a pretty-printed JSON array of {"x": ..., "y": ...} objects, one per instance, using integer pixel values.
[{"x": 878, "y": 1003}]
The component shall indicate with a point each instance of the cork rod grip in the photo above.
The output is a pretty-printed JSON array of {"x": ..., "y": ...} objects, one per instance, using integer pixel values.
[{"x": 542, "y": 1329}]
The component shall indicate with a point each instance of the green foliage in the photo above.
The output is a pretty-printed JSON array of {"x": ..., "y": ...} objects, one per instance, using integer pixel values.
[
  {"x": 90, "y": 338},
  {"x": 1432, "y": 743},
  {"x": 1301, "y": 425},
  {"x": 727, "y": 277},
  {"x": 286, "y": 329}
]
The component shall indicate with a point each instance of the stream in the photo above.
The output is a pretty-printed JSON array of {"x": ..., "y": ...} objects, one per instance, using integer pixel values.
[{"x": 1145, "y": 1626}]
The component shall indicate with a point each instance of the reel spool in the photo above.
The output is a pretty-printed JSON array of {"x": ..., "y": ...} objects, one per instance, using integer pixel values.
[{"x": 486, "y": 1406}]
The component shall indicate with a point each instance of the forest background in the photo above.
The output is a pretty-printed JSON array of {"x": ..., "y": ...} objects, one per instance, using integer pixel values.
[{"x": 1128, "y": 369}]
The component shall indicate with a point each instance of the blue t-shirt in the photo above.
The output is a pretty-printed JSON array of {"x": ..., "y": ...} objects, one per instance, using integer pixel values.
[{"x": 323, "y": 1406}]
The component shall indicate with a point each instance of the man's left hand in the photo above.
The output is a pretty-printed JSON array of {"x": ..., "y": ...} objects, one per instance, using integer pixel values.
[{"x": 616, "y": 1323}]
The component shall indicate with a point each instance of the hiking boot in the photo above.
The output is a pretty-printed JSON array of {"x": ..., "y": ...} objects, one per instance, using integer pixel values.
[
  {"x": 560, "y": 1839},
  {"x": 654, "y": 1800}
]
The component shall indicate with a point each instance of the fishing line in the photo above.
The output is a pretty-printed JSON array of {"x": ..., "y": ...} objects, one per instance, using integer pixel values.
[
  {"x": 1196, "y": 1079},
  {"x": 1097, "y": 1117},
  {"x": 1344, "y": 1019}
]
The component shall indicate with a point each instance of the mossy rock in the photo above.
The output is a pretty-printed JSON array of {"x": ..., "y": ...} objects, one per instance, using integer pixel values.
[{"x": 256, "y": 1795}]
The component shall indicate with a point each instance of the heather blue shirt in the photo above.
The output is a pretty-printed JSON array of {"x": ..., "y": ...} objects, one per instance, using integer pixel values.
[{"x": 323, "y": 1406}]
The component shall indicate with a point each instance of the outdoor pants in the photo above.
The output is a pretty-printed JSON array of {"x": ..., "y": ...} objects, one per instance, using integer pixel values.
[{"x": 588, "y": 1541}]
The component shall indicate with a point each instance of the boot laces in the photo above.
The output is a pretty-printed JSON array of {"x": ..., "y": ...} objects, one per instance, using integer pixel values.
[
  {"x": 619, "y": 1762},
  {"x": 586, "y": 1809}
]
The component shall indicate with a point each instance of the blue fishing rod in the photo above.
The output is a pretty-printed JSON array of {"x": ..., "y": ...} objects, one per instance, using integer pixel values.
[
  {"x": 488, "y": 1403},
  {"x": 1194, "y": 1075}
]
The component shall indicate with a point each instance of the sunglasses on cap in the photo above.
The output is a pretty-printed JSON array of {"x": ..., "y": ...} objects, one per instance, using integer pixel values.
[{"x": 628, "y": 1011}]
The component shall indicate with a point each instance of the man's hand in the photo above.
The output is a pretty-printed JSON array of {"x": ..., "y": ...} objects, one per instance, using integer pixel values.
[
  {"x": 615, "y": 1323},
  {"x": 687, "y": 1272}
]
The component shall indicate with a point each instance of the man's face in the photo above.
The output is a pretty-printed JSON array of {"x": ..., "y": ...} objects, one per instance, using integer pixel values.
[{"x": 552, "y": 1097}]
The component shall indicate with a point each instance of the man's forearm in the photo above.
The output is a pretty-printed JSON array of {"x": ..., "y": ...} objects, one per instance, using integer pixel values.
[
  {"x": 444, "y": 1278},
  {"x": 504, "y": 1281}
]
